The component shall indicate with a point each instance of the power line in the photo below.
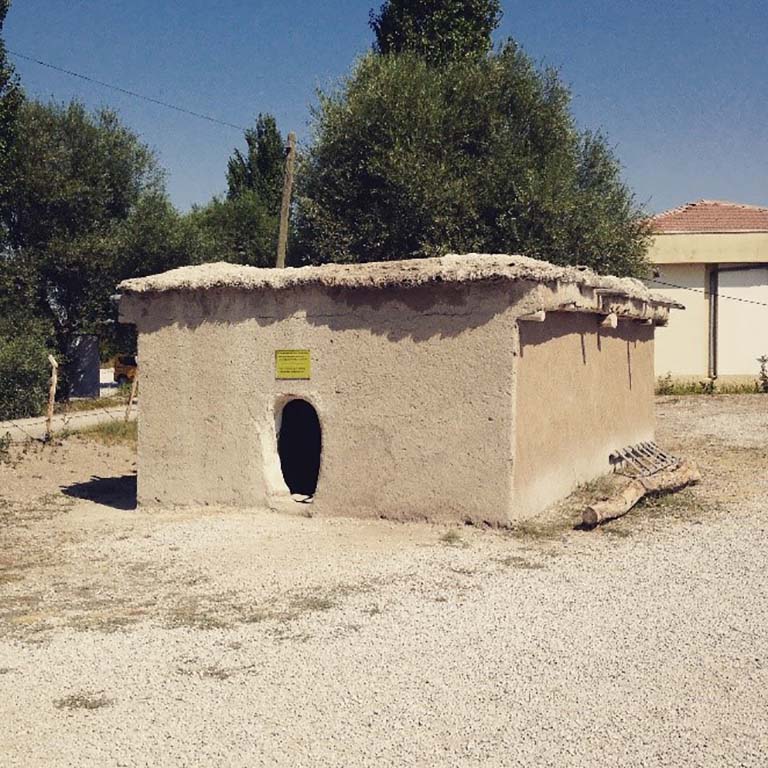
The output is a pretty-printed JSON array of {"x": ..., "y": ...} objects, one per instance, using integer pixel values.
[
  {"x": 702, "y": 291},
  {"x": 125, "y": 91}
]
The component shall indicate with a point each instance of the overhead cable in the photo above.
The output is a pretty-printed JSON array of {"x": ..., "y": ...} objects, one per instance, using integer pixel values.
[{"x": 126, "y": 91}]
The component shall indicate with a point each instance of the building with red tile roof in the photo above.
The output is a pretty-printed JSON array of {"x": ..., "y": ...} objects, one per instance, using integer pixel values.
[
  {"x": 712, "y": 216},
  {"x": 712, "y": 256}
]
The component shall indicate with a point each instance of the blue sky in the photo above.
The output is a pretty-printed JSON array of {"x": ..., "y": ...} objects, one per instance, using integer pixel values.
[{"x": 680, "y": 87}]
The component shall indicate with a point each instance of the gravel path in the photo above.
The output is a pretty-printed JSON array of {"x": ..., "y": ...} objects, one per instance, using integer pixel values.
[{"x": 263, "y": 639}]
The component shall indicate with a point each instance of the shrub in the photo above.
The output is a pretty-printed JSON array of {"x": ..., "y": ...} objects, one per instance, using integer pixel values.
[
  {"x": 763, "y": 375},
  {"x": 24, "y": 373}
]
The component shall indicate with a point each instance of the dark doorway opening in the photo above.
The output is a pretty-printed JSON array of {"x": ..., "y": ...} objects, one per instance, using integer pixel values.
[{"x": 299, "y": 444}]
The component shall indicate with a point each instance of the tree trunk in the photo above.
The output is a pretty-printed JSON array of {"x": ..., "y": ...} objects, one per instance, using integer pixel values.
[{"x": 666, "y": 481}]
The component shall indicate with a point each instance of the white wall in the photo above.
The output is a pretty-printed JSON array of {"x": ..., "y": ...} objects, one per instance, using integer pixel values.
[
  {"x": 709, "y": 248},
  {"x": 682, "y": 347},
  {"x": 742, "y": 326}
]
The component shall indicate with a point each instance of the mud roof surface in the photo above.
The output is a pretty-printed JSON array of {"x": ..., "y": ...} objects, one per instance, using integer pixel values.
[{"x": 453, "y": 268}]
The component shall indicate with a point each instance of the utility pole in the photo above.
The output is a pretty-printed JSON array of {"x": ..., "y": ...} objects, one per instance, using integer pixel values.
[{"x": 285, "y": 208}]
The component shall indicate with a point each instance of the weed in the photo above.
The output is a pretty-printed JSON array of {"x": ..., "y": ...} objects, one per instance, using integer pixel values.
[
  {"x": 85, "y": 700},
  {"x": 5, "y": 447},
  {"x": 667, "y": 385},
  {"x": 311, "y": 604},
  {"x": 218, "y": 673},
  {"x": 763, "y": 375},
  {"x": 256, "y": 617},
  {"x": 111, "y": 433},
  {"x": 452, "y": 538},
  {"x": 92, "y": 403},
  {"x": 619, "y": 533},
  {"x": 191, "y": 614},
  {"x": 523, "y": 563},
  {"x": 682, "y": 505}
]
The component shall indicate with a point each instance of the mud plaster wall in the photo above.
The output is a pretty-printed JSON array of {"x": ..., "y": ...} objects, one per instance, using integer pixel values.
[
  {"x": 414, "y": 395},
  {"x": 582, "y": 392}
]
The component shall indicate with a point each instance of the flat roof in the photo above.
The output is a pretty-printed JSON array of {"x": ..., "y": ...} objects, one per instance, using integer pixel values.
[{"x": 452, "y": 268}]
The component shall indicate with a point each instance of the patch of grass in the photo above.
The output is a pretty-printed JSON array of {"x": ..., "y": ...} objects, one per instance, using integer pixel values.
[
  {"x": 191, "y": 614},
  {"x": 516, "y": 561},
  {"x": 5, "y": 447},
  {"x": 92, "y": 403},
  {"x": 463, "y": 571},
  {"x": 619, "y": 533},
  {"x": 667, "y": 385},
  {"x": 256, "y": 617},
  {"x": 684, "y": 504},
  {"x": 84, "y": 700},
  {"x": 453, "y": 538},
  {"x": 216, "y": 672},
  {"x": 546, "y": 529},
  {"x": 111, "y": 433},
  {"x": 310, "y": 604}
]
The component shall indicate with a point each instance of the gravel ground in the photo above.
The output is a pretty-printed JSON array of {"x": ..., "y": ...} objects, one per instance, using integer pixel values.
[{"x": 249, "y": 639}]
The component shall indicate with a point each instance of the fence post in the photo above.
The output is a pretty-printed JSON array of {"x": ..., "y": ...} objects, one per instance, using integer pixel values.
[
  {"x": 51, "y": 395},
  {"x": 131, "y": 397}
]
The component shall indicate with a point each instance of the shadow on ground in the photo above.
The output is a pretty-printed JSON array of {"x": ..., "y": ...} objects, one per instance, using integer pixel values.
[{"x": 117, "y": 492}]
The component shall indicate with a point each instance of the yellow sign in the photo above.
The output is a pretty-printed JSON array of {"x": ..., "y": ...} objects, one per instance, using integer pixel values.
[{"x": 292, "y": 364}]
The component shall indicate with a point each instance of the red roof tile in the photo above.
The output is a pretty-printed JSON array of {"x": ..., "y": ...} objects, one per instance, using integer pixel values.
[{"x": 712, "y": 216}]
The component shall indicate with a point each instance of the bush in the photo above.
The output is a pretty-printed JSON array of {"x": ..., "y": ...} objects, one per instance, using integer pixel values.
[{"x": 24, "y": 373}]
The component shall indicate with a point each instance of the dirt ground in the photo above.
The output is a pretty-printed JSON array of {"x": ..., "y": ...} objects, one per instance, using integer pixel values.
[{"x": 243, "y": 638}]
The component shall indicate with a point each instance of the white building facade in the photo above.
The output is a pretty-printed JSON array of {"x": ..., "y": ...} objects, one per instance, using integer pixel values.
[{"x": 712, "y": 257}]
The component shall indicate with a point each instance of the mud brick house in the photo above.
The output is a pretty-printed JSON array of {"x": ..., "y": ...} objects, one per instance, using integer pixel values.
[{"x": 478, "y": 387}]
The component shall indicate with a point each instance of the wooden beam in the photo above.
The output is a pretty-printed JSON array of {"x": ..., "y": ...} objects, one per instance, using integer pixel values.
[
  {"x": 666, "y": 481},
  {"x": 534, "y": 317}
]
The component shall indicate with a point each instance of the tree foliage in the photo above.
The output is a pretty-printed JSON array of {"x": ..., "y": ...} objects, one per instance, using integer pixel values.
[
  {"x": 11, "y": 98},
  {"x": 86, "y": 208},
  {"x": 411, "y": 159},
  {"x": 241, "y": 230},
  {"x": 243, "y": 227},
  {"x": 24, "y": 370},
  {"x": 260, "y": 169},
  {"x": 438, "y": 30},
  {"x": 77, "y": 173}
]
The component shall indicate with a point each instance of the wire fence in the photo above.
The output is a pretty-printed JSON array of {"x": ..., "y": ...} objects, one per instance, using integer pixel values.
[{"x": 41, "y": 428}]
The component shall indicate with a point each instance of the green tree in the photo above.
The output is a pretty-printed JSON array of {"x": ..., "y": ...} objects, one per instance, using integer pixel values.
[
  {"x": 483, "y": 155},
  {"x": 261, "y": 168},
  {"x": 24, "y": 369},
  {"x": 439, "y": 30},
  {"x": 240, "y": 230},
  {"x": 243, "y": 227},
  {"x": 11, "y": 98},
  {"x": 86, "y": 208}
]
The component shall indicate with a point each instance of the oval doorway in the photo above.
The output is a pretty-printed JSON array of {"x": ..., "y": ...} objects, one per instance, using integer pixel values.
[{"x": 299, "y": 444}]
